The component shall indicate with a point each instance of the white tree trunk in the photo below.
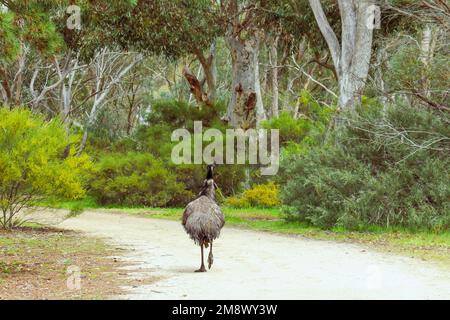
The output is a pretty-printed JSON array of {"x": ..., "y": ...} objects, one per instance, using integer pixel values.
[
  {"x": 245, "y": 109},
  {"x": 274, "y": 66},
  {"x": 210, "y": 71},
  {"x": 352, "y": 56},
  {"x": 428, "y": 47},
  {"x": 260, "y": 112},
  {"x": 71, "y": 75}
]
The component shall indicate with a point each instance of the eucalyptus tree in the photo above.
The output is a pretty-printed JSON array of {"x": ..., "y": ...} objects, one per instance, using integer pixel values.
[
  {"x": 174, "y": 28},
  {"x": 248, "y": 26}
]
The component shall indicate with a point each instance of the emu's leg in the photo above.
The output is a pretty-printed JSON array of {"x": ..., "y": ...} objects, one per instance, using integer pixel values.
[
  {"x": 202, "y": 267},
  {"x": 210, "y": 257}
]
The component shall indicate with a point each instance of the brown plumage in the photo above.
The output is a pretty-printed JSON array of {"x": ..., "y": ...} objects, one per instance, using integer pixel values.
[{"x": 203, "y": 219}]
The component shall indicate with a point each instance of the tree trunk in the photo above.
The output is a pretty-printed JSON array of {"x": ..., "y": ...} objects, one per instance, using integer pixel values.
[
  {"x": 428, "y": 47},
  {"x": 379, "y": 78},
  {"x": 195, "y": 86},
  {"x": 352, "y": 56},
  {"x": 245, "y": 109},
  {"x": 6, "y": 90},
  {"x": 274, "y": 65},
  {"x": 83, "y": 141},
  {"x": 210, "y": 72}
]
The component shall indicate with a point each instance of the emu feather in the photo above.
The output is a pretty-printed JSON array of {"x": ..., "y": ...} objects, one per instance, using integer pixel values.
[{"x": 203, "y": 220}]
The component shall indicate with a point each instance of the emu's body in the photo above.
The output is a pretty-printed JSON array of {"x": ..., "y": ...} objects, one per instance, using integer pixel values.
[{"x": 203, "y": 219}]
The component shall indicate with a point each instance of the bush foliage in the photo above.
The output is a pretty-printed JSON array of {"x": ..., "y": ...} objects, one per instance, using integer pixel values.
[
  {"x": 260, "y": 195},
  {"x": 385, "y": 167},
  {"x": 311, "y": 123},
  {"x": 135, "y": 179},
  {"x": 33, "y": 163}
]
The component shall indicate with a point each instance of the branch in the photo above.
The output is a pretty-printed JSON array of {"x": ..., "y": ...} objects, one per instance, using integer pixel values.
[
  {"x": 328, "y": 33},
  {"x": 429, "y": 102},
  {"x": 312, "y": 79}
]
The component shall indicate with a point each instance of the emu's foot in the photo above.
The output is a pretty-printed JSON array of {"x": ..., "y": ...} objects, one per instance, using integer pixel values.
[
  {"x": 210, "y": 260},
  {"x": 202, "y": 269}
]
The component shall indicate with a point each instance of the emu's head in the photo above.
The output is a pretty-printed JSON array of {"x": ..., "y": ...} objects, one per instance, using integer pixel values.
[
  {"x": 209, "y": 174},
  {"x": 208, "y": 188}
]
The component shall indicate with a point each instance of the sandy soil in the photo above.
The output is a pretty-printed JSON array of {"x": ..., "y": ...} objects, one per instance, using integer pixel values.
[
  {"x": 36, "y": 264},
  {"x": 253, "y": 265}
]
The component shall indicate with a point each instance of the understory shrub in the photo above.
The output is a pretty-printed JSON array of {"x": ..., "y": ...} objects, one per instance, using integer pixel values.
[
  {"x": 383, "y": 167},
  {"x": 136, "y": 179},
  {"x": 260, "y": 195},
  {"x": 312, "y": 121},
  {"x": 36, "y": 163}
]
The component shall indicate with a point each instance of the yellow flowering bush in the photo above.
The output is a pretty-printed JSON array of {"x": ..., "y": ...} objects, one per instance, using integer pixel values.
[
  {"x": 34, "y": 164},
  {"x": 260, "y": 195}
]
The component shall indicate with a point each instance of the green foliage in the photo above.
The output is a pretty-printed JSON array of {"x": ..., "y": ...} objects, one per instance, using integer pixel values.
[
  {"x": 32, "y": 165},
  {"x": 167, "y": 115},
  {"x": 237, "y": 202},
  {"x": 295, "y": 20},
  {"x": 154, "y": 139},
  {"x": 311, "y": 123},
  {"x": 28, "y": 23},
  {"x": 136, "y": 179},
  {"x": 260, "y": 196},
  {"x": 424, "y": 78},
  {"x": 169, "y": 27},
  {"x": 9, "y": 44},
  {"x": 180, "y": 114},
  {"x": 386, "y": 168}
]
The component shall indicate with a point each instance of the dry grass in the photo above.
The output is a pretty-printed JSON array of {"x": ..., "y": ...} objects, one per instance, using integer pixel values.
[{"x": 34, "y": 263}]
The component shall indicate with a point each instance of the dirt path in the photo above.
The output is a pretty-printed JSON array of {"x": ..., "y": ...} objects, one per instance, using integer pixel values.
[{"x": 253, "y": 265}]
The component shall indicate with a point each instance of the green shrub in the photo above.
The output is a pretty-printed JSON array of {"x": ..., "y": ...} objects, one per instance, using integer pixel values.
[
  {"x": 311, "y": 123},
  {"x": 135, "y": 179},
  {"x": 34, "y": 164},
  {"x": 154, "y": 139},
  {"x": 406, "y": 72},
  {"x": 385, "y": 168},
  {"x": 261, "y": 195}
]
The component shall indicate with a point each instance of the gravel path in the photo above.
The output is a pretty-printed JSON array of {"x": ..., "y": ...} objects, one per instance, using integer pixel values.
[{"x": 254, "y": 265}]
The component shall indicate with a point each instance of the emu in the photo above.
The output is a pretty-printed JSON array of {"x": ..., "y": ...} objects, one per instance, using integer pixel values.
[{"x": 203, "y": 219}]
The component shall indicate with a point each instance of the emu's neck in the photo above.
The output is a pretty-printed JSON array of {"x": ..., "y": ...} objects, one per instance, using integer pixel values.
[{"x": 208, "y": 190}]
